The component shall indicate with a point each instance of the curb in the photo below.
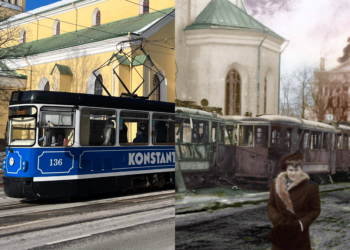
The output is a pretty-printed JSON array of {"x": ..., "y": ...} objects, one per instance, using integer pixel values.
[{"x": 212, "y": 205}]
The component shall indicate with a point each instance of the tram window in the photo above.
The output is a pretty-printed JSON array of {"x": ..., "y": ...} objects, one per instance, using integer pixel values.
[
  {"x": 315, "y": 140},
  {"x": 261, "y": 135},
  {"x": 178, "y": 126},
  {"x": 306, "y": 141},
  {"x": 346, "y": 141},
  {"x": 339, "y": 141},
  {"x": 203, "y": 131},
  {"x": 326, "y": 141},
  {"x": 288, "y": 138},
  {"x": 163, "y": 129},
  {"x": 133, "y": 128},
  {"x": 21, "y": 125},
  {"x": 246, "y": 136},
  {"x": 275, "y": 137},
  {"x": 214, "y": 126},
  {"x": 56, "y": 126},
  {"x": 97, "y": 127},
  {"x": 22, "y": 131},
  {"x": 186, "y": 131},
  {"x": 230, "y": 137}
]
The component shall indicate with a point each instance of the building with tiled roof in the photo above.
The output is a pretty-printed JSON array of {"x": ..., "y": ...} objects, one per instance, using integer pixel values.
[{"x": 62, "y": 44}]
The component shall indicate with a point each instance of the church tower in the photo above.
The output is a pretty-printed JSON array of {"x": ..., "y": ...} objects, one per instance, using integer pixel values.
[{"x": 9, "y": 8}]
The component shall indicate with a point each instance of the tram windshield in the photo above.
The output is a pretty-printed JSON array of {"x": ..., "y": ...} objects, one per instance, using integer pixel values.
[{"x": 21, "y": 126}]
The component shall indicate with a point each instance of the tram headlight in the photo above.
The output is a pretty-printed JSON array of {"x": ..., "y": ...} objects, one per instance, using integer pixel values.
[
  {"x": 12, "y": 161},
  {"x": 4, "y": 165},
  {"x": 25, "y": 166}
]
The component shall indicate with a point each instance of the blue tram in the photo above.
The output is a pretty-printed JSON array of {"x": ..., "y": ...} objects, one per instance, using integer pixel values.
[{"x": 66, "y": 144}]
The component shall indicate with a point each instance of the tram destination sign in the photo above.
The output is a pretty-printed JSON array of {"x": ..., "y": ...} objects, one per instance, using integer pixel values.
[{"x": 22, "y": 111}]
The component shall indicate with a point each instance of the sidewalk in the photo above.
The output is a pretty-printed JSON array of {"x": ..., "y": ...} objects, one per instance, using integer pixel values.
[{"x": 192, "y": 203}]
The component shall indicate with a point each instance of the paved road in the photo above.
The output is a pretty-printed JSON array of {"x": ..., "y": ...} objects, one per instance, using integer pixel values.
[
  {"x": 138, "y": 221},
  {"x": 246, "y": 227}
]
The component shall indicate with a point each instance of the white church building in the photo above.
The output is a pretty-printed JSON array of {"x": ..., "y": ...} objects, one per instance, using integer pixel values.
[{"x": 227, "y": 57}]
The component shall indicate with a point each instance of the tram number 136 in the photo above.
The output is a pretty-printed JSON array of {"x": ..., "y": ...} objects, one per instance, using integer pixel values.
[{"x": 55, "y": 162}]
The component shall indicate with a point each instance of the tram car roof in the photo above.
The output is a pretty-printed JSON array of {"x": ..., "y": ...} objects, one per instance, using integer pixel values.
[
  {"x": 282, "y": 121},
  {"x": 198, "y": 114},
  {"x": 76, "y": 99},
  {"x": 344, "y": 128}
]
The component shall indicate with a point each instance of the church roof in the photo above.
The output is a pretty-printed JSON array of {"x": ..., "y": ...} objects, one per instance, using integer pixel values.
[
  {"x": 224, "y": 14},
  {"x": 63, "y": 69},
  {"x": 137, "y": 25}
]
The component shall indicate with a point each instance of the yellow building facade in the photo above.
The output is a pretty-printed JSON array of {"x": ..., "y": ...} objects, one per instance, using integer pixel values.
[{"x": 62, "y": 44}]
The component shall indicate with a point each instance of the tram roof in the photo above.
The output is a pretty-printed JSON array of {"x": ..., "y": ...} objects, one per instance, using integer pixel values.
[
  {"x": 282, "y": 120},
  {"x": 343, "y": 127},
  {"x": 196, "y": 113},
  {"x": 64, "y": 98}
]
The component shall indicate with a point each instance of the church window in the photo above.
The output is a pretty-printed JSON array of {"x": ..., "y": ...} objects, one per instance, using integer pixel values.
[
  {"x": 47, "y": 87},
  {"x": 145, "y": 6},
  {"x": 233, "y": 93},
  {"x": 58, "y": 28},
  {"x": 98, "y": 86},
  {"x": 98, "y": 18},
  {"x": 23, "y": 36}
]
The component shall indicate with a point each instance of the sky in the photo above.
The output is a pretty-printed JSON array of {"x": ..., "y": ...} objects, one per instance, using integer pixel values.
[
  {"x": 33, "y": 4},
  {"x": 315, "y": 28}
]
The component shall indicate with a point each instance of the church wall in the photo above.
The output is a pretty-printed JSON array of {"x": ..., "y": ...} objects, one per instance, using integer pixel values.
[
  {"x": 211, "y": 54},
  {"x": 269, "y": 69}
]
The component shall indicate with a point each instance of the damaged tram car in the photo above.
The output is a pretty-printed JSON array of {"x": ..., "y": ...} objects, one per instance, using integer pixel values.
[
  {"x": 264, "y": 140},
  {"x": 212, "y": 149},
  {"x": 67, "y": 144},
  {"x": 205, "y": 147}
]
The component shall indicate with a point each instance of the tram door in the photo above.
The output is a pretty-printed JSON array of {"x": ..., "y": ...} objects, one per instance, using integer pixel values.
[{"x": 226, "y": 149}]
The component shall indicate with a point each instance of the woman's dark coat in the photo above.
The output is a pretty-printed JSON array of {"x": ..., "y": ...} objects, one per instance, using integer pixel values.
[{"x": 300, "y": 201}]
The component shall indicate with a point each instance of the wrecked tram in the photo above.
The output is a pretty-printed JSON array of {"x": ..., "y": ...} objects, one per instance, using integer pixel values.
[
  {"x": 264, "y": 140},
  {"x": 214, "y": 149},
  {"x": 205, "y": 147}
]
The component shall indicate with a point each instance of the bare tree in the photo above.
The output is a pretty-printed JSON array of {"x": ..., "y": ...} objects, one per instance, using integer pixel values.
[
  {"x": 9, "y": 48},
  {"x": 303, "y": 77},
  {"x": 287, "y": 91},
  {"x": 320, "y": 94}
]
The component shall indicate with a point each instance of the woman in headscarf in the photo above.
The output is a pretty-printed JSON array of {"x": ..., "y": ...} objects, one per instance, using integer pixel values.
[{"x": 294, "y": 204}]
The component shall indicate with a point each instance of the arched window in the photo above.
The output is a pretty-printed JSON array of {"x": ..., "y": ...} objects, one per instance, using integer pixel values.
[
  {"x": 156, "y": 94},
  {"x": 98, "y": 86},
  {"x": 47, "y": 86},
  {"x": 58, "y": 28},
  {"x": 98, "y": 18},
  {"x": 145, "y": 6},
  {"x": 233, "y": 93},
  {"x": 23, "y": 36}
]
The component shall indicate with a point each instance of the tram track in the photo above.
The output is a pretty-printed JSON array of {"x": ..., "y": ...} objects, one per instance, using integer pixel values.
[{"x": 44, "y": 227}]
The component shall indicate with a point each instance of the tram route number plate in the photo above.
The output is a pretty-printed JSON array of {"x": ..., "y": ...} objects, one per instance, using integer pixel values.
[{"x": 54, "y": 162}]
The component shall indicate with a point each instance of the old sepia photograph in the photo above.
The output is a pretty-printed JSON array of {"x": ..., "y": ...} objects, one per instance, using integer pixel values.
[{"x": 262, "y": 124}]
